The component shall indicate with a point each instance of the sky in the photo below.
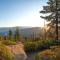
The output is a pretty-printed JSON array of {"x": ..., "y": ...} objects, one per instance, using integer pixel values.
[{"x": 21, "y": 13}]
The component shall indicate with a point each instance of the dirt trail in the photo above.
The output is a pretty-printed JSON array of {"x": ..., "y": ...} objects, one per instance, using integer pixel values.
[{"x": 17, "y": 51}]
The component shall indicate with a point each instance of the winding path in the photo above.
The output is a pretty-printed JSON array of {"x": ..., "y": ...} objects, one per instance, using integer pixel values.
[{"x": 17, "y": 51}]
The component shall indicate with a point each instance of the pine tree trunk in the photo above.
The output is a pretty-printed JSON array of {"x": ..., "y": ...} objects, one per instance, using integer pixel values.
[{"x": 56, "y": 22}]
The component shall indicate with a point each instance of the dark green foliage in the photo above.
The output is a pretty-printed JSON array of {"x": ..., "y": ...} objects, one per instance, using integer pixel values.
[
  {"x": 17, "y": 35},
  {"x": 53, "y": 12},
  {"x": 35, "y": 45},
  {"x": 30, "y": 46},
  {"x": 40, "y": 45},
  {"x": 10, "y": 35}
]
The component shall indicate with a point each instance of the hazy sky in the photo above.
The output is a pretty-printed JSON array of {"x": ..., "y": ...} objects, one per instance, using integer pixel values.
[{"x": 21, "y": 13}]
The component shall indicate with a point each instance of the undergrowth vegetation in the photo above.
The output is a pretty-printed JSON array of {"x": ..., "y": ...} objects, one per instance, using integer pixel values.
[
  {"x": 49, "y": 54},
  {"x": 4, "y": 53},
  {"x": 39, "y": 45},
  {"x": 8, "y": 42}
]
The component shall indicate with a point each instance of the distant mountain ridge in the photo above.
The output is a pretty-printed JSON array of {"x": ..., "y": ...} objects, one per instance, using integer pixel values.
[{"x": 24, "y": 31}]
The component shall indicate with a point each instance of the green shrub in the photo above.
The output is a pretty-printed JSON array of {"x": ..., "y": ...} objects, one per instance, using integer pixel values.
[
  {"x": 35, "y": 45},
  {"x": 30, "y": 46},
  {"x": 40, "y": 44},
  {"x": 53, "y": 42},
  {"x": 4, "y": 53},
  {"x": 8, "y": 42}
]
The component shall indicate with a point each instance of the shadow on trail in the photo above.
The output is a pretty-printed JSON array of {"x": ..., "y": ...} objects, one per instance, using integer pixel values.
[{"x": 31, "y": 53}]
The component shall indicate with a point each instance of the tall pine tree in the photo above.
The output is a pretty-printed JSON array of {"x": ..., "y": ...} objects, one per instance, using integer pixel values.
[
  {"x": 53, "y": 11},
  {"x": 10, "y": 35},
  {"x": 17, "y": 34}
]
